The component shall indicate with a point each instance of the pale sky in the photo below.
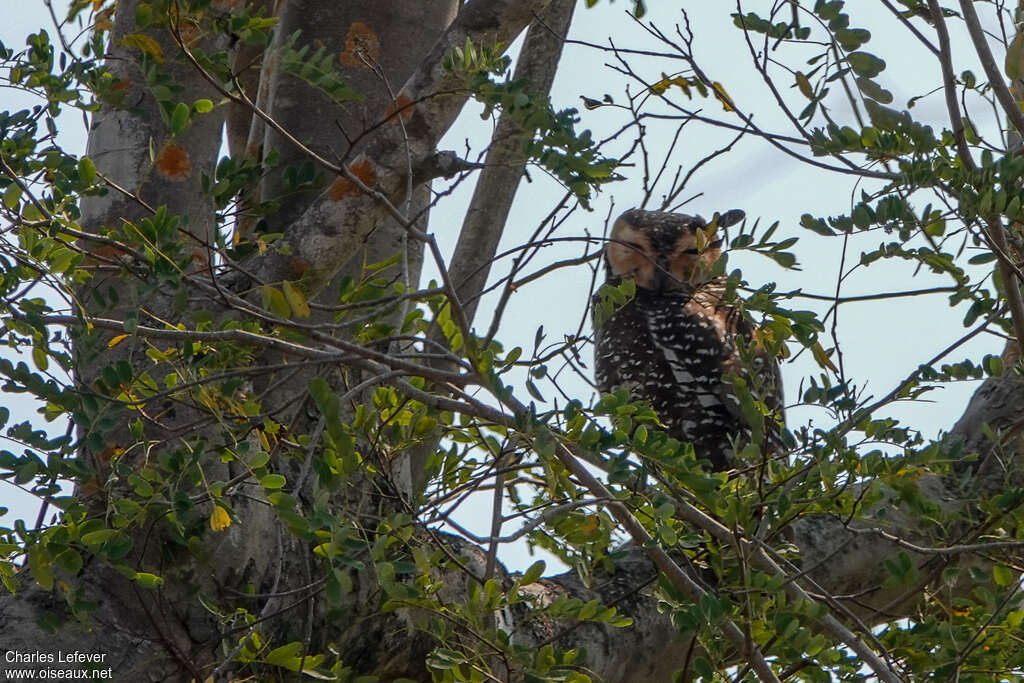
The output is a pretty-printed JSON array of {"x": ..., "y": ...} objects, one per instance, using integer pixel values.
[{"x": 882, "y": 342}]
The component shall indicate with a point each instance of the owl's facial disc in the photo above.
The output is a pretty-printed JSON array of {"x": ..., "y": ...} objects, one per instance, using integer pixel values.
[
  {"x": 661, "y": 251},
  {"x": 631, "y": 256}
]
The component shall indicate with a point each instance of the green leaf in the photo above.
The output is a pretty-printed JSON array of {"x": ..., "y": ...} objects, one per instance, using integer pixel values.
[
  {"x": 815, "y": 225},
  {"x": 1015, "y": 58},
  {"x": 203, "y": 106},
  {"x": 12, "y": 195},
  {"x": 534, "y": 572},
  {"x": 1003, "y": 575},
  {"x": 287, "y": 656},
  {"x": 143, "y": 15},
  {"x": 273, "y": 481},
  {"x": 876, "y": 92},
  {"x": 993, "y": 366},
  {"x": 534, "y": 391},
  {"x": 147, "y": 580},
  {"x": 936, "y": 228},
  {"x": 865, "y": 64},
  {"x": 640, "y": 435},
  {"x": 40, "y": 563},
  {"x": 852, "y": 38},
  {"x": 1013, "y": 208},
  {"x": 861, "y": 216},
  {"x": 40, "y": 358},
  {"x": 179, "y": 118},
  {"x": 69, "y": 560},
  {"x": 94, "y": 538},
  {"x": 275, "y": 302},
  {"x": 86, "y": 170}
]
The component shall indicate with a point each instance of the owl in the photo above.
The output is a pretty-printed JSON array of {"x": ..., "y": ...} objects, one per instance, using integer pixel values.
[{"x": 675, "y": 341}]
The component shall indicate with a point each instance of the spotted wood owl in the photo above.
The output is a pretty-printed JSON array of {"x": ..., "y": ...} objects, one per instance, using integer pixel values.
[{"x": 675, "y": 341}]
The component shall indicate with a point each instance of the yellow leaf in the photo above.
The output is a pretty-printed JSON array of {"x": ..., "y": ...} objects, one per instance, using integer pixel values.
[
  {"x": 822, "y": 357},
  {"x": 666, "y": 82},
  {"x": 275, "y": 302},
  {"x": 591, "y": 525},
  {"x": 805, "y": 85},
  {"x": 147, "y": 45},
  {"x": 116, "y": 340},
  {"x": 723, "y": 97},
  {"x": 702, "y": 239},
  {"x": 296, "y": 299},
  {"x": 661, "y": 86},
  {"x": 220, "y": 519},
  {"x": 684, "y": 84}
]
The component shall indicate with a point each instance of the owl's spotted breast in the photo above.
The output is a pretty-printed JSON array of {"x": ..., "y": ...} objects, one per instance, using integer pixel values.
[
  {"x": 676, "y": 359},
  {"x": 676, "y": 341}
]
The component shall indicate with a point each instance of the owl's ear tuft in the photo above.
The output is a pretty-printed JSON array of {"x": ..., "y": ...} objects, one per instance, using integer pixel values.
[{"x": 731, "y": 217}]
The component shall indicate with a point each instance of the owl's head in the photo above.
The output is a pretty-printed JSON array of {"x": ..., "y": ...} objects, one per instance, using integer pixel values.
[{"x": 663, "y": 251}]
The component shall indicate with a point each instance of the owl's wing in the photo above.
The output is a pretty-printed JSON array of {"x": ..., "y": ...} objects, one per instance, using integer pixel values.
[
  {"x": 623, "y": 355},
  {"x": 694, "y": 401}
]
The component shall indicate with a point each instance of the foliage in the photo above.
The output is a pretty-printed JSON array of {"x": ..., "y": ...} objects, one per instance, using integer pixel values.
[
  {"x": 123, "y": 327},
  {"x": 572, "y": 158}
]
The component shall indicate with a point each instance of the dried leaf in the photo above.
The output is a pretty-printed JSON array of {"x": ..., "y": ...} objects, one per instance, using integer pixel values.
[
  {"x": 145, "y": 44},
  {"x": 296, "y": 299},
  {"x": 220, "y": 519},
  {"x": 804, "y": 85},
  {"x": 822, "y": 357},
  {"x": 723, "y": 96}
]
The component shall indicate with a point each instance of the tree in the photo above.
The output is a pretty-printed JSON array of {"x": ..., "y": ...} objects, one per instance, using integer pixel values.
[{"x": 269, "y": 419}]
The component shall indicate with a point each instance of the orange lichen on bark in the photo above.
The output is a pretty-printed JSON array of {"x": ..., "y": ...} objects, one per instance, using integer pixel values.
[
  {"x": 362, "y": 47},
  {"x": 89, "y": 488},
  {"x": 102, "y": 254},
  {"x": 402, "y": 106},
  {"x": 200, "y": 260},
  {"x": 189, "y": 30},
  {"x": 343, "y": 187},
  {"x": 102, "y": 21},
  {"x": 298, "y": 268},
  {"x": 174, "y": 161}
]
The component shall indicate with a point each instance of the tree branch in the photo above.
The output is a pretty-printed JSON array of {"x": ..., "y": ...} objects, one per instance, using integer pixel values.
[
  {"x": 332, "y": 229},
  {"x": 504, "y": 164}
]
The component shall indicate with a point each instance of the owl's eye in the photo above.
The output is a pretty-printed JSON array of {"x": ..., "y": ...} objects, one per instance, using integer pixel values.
[{"x": 711, "y": 245}]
